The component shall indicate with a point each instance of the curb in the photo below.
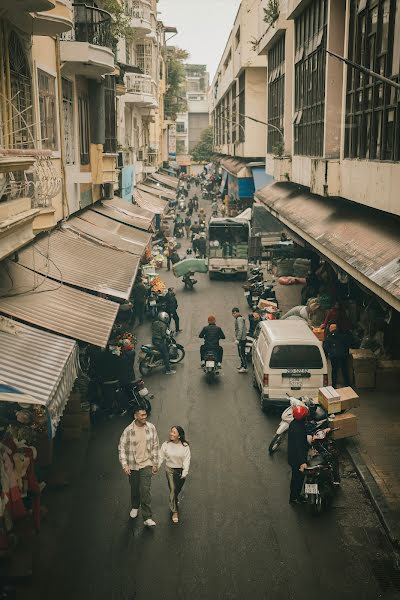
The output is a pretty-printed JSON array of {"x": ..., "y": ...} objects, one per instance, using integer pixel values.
[{"x": 389, "y": 521}]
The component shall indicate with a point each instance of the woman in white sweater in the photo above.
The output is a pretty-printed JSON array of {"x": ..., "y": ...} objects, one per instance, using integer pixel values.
[{"x": 176, "y": 454}]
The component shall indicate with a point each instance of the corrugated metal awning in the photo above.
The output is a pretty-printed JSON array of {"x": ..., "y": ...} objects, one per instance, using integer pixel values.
[
  {"x": 236, "y": 167},
  {"x": 38, "y": 363},
  {"x": 150, "y": 202},
  {"x": 166, "y": 180},
  {"x": 156, "y": 190},
  {"x": 363, "y": 242},
  {"x": 66, "y": 257},
  {"x": 101, "y": 235},
  {"x": 132, "y": 209},
  {"x": 37, "y": 300},
  {"x": 118, "y": 227},
  {"x": 121, "y": 215}
]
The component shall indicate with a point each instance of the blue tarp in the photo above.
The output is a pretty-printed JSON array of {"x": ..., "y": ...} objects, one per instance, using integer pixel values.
[{"x": 261, "y": 178}]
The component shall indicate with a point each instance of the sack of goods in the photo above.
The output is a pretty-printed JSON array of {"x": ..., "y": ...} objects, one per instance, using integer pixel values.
[{"x": 194, "y": 265}]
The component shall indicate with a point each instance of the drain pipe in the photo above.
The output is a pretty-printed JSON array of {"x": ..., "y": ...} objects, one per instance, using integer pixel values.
[{"x": 65, "y": 207}]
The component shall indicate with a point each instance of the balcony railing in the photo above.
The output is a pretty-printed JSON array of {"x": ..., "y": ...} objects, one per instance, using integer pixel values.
[
  {"x": 151, "y": 159},
  {"x": 140, "y": 84},
  {"x": 136, "y": 9},
  {"x": 92, "y": 25}
]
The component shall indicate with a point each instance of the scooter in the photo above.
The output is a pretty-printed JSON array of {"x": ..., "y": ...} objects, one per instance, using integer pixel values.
[
  {"x": 249, "y": 346},
  {"x": 210, "y": 367},
  {"x": 317, "y": 413},
  {"x": 181, "y": 204},
  {"x": 189, "y": 281},
  {"x": 321, "y": 473},
  {"x": 150, "y": 358}
]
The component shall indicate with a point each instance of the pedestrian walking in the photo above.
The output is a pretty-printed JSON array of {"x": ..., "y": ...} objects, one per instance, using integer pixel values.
[
  {"x": 138, "y": 297},
  {"x": 195, "y": 203},
  {"x": 188, "y": 223},
  {"x": 240, "y": 334},
  {"x": 202, "y": 245},
  {"x": 190, "y": 207},
  {"x": 297, "y": 452},
  {"x": 138, "y": 451},
  {"x": 171, "y": 304},
  {"x": 176, "y": 454},
  {"x": 337, "y": 347},
  {"x": 223, "y": 210}
]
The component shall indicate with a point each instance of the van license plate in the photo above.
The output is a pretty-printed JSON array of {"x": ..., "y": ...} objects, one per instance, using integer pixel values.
[
  {"x": 295, "y": 382},
  {"x": 311, "y": 488}
]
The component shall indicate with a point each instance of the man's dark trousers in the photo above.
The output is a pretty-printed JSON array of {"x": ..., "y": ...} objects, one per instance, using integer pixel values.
[
  {"x": 296, "y": 483},
  {"x": 174, "y": 315}
]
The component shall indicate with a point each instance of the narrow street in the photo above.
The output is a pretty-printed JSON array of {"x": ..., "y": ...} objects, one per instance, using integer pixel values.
[{"x": 238, "y": 537}]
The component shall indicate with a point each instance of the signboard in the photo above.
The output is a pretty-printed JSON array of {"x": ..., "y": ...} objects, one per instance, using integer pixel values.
[{"x": 172, "y": 142}]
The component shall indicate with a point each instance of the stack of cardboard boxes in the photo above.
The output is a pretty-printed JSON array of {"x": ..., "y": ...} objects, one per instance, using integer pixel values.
[
  {"x": 338, "y": 403},
  {"x": 363, "y": 368}
]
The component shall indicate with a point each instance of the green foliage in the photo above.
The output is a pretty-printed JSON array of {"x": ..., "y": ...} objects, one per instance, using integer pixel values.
[
  {"x": 203, "y": 151},
  {"x": 271, "y": 13},
  {"x": 279, "y": 149},
  {"x": 121, "y": 27},
  {"x": 175, "y": 101}
]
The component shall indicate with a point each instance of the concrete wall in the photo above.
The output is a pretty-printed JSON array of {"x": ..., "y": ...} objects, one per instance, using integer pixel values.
[{"x": 197, "y": 124}]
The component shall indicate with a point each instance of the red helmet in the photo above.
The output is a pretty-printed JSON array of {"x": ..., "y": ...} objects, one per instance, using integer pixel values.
[
  {"x": 211, "y": 319},
  {"x": 300, "y": 412}
]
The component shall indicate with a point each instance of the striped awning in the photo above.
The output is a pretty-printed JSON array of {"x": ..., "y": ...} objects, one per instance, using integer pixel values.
[
  {"x": 150, "y": 202},
  {"x": 118, "y": 227},
  {"x": 36, "y": 367},
  {"x": 166, "y": 180},
  {"x": 157, "y": 190},
  {"x": 125, "y": 212}
]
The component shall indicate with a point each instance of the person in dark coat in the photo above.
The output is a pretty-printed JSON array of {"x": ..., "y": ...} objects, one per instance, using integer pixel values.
[
  {"x": 202, "y": 246},
  {"x": 171, "y": 304},
  {"x": 297, "y": 452},
  {"x": 138, "y": 297},
  {"x": 337, "y": 347},
  {"x": 212, "y": 334}
]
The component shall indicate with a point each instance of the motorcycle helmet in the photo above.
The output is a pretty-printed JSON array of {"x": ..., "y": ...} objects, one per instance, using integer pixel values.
[
  {"x": 211, "y": 319},
  {"x": 163, "y": 317},
  {"x": 300, "y": 412}
]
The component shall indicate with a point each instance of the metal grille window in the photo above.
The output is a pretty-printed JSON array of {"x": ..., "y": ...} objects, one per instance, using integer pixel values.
[
  {"x": 144, "y": 57},
  {"x": 228, "y": 116},
  {"x": 310, "y": 68},
  {"x": 276, "y": 93},
  {"x": 180, "y": 127},
  {"x": 47, "y": 110},
  {"x": 68, "y": 121},
  {"x": 242, "y": 106},
  {"x": 83, "y": 111},
  {"x": 110, "y": 144},
  {"x": 372, "y": 108},
  {"x": 234, "y": 113}
]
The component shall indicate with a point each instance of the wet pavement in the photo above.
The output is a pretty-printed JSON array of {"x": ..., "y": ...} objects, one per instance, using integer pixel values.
[{"x": 238, "y": 537}]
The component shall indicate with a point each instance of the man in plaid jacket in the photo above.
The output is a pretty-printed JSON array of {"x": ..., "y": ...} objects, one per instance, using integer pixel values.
[{"x": 138, "y": 454}]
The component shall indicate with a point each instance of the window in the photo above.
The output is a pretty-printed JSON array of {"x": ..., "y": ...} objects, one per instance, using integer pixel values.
[
  {"x": 237, "y": 37},
  {"x": 310, "y": 67},
  {"x": 242, "y": 106},
  {"x": 276, "y": 93},
  {"x": 296, "y": 357},
  {"x": 47, "y": 110},
  {"x": 144, "y": 57},
  {"x": 110, "y": 143},
  {"x": 68, "y": 121},
  {"x": 234, "y": 111},
  {"x": 83, "y": 110},
  {"x": 180, "y": 127},
  {"x": 372, "y": 108},
  {"x": 228, "y": 60}
]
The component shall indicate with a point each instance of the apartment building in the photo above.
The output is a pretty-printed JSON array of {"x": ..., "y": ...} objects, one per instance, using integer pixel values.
[{"x": 333, "y": 137}]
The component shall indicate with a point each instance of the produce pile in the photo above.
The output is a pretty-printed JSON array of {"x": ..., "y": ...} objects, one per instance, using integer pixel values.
[{"x": 157, "y": 286}]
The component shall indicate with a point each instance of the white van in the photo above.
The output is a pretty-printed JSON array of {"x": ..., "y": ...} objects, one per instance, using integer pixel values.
[{"x": 287, "y": 359}]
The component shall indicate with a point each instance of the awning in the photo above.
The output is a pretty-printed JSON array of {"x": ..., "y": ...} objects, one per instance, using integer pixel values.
[
  {"x": 137, "y": 236},
  {"x": 150, "y": 202},
  {"x": 261, "y": 178},
  {"x": 127, "y": 212},
  {"x": 40, "y": 301},
  {"x": 236, "y": 167},
  {"x": 156, "y": 190},
  {"x": 363, "y": 242},
  {"x": 40, "y": 364},
  {"x": 171, "y": 182},
  {"x": 97, "y": 234},
  {"x": 65, "y": 257}
]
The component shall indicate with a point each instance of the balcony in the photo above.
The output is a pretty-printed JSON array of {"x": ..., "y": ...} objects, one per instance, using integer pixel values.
[
  {"x": 41, "y": 17},
  {"x": 139, "y": 13},
  {"x": 86, "y": 50},
  {"x": 141, "y": 90},
  {"x": 150, "y": 164}
]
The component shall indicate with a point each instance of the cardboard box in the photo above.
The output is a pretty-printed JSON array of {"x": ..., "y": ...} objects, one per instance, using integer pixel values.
[
  {"x": 364, "y": 380},
  {"x": 329, "y": 398},
  {"x": 363, "y": 361},
  {"x": 346, "y": 425},
  {"x": 348, "y": 398},
  {"x": 319, "y": 332}
]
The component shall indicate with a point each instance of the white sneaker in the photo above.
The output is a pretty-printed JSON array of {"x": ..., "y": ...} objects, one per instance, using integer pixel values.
[
  {"x": 150, "y": 523},
  {"x": 242, "y": 370},
  {"x": 134, "y": 513}
]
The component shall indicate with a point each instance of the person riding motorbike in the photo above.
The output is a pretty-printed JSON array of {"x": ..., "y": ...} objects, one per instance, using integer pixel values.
[
  {"x": 211, "y": 334},
  {"x": 159, "y": 329},
  {"x": 297, "y": 452}
]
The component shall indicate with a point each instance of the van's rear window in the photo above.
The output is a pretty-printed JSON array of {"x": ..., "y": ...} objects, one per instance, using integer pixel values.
[{"x": 296, "y": 357}]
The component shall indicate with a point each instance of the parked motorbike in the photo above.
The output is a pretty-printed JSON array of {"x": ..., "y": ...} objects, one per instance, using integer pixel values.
[
  {"x": 211, "y": 368},
  {"x": 151, "y": 306},
  {"x": 189, "y": 281},
  {"x": 249, "y": 347},
  {"x": 179, "y": 230},
  {"x": 150, "y": 358},
  {"x": 317, "y": 414},
  {"x": 137, "y": 396},
  {"x": 321, "y": 473}
]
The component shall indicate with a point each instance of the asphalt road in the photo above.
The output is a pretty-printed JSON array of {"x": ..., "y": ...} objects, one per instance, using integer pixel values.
[{"x": 238, "y": 537}]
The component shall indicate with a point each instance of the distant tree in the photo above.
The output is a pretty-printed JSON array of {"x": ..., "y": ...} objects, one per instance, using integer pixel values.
[
  {"x": 175, "y": 101},
  {"x": 203, "y": 151}
]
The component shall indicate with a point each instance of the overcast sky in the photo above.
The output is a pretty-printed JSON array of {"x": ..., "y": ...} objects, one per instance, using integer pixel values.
[{"x": 203, "y": 26}]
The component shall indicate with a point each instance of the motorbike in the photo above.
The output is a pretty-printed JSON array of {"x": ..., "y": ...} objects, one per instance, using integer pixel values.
[
  {"x": 179, "y": 230},
  {"x": 249, "y": 346},
  {"x": 189, "y": 281},
  {"x": 321, "y": 475},
  {"x": 137, "y": 396},
  {"x": 181, "y": 204},
  {"x": 211, "y": 368},
  {"x": 317, "y": 414},
  {"x": 150, "y": 358}
]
